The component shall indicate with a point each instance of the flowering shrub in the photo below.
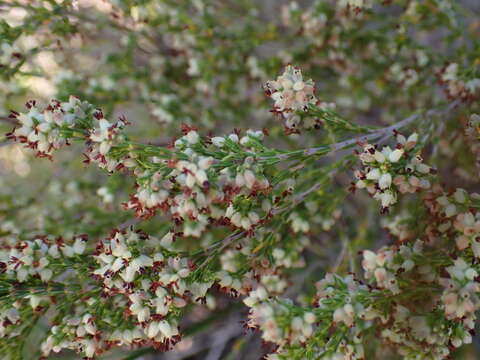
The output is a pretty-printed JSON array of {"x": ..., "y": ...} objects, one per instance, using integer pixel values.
[
  {"x": 175, "y": 200},
  {"x": 388, "y": 171}
]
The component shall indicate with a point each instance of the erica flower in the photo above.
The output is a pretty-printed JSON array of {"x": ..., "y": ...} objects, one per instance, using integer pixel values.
[
  {"x": 290, "y": 92},
  {"x": 388, "y": 172},
  {"x": 43, "y": 130}
]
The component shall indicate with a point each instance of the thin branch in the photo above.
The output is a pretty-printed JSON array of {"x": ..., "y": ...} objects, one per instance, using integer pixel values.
[
  {"x": 341, "y": 256},
  {"x": 380, "y": 132},
  {"x": 129, "y": 222}
]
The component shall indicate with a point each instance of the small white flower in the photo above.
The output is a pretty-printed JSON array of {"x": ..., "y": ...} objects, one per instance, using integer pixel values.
[
  {"x": 192, "y": 137},
  {"x": 218, "y": 141},
  {"x": 385, "y": 181},
  {"x": 395, "y": 155}
]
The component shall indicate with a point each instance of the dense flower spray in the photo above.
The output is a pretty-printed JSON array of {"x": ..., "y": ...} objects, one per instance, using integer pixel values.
[{"x": 176, "y": 207}]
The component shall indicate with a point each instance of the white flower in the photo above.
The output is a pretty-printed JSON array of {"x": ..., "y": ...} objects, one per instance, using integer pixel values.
[
  {"x": 374, "y": 174},
  {"x": 385, "y": 181},
  {"x": 100, "y": 134},
  {"x": 395, "y": 155},
  {"x": 192, "y": 137},
  {"x": 233, "y": 137},
  {"x": 35, "y": 300},
  {"x": 218, "y": 141},
  {"x": 165, "y": 329},
  {"x": 79, "y": 246},
  {"x": 291, "y": 92}
]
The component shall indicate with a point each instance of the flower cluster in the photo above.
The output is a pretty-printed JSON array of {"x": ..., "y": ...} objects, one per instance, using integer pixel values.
[
  {"x": 78, "y": 333},
  {"x": 297, "y": 331},
  {"x": 414, "y": 268},
  {"x": 356, "y": 5},
  {"x": 406, "y": 77},
  {"x": 197, "y": 182},
  {"x": 93, "y": 326},
  {"x": 432, "y": 311},
  {"x": 389, "y": 172},
  {"x": 472, "y": 133},
  {"x": 454, "y": 216},
  {"x": 9, "y": 321},
  {"x": 197, "y": 188},
  {"x": 102, "y": 137},
  {"x": 10, "y": 54},
  {"x": 399, "y": 226},
  {"x": 270, "y": 316},
  {"x": 460, "y": 291},
  {"x": 384, "y": 265},
  {"x": 46, "y": 130},
  {"x": 347, "y": 298},
  {"x": 291, "y": 93},
  {"x": 267, "y": 220},
  {"x": 33, "y": 259},
  {"x": 312, "y": 22},
  {"x": 268, "y": 264},
  {"x": 417, "y": 336},
  {"x": 456, "y": 86},
  {"x": 143, "y": 286},
  {"x": 124, "y": 269}
]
